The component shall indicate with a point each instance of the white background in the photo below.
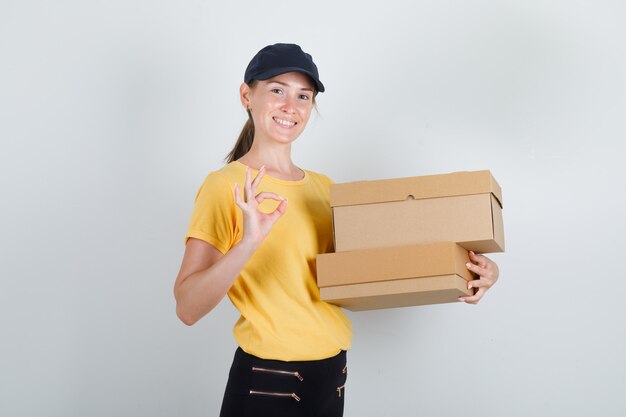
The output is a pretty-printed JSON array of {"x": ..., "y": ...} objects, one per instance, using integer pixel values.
[{"x": 112, "y": 113}]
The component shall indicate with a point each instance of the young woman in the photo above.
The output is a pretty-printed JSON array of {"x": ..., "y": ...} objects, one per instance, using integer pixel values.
[{"x": 256, "y": 227}]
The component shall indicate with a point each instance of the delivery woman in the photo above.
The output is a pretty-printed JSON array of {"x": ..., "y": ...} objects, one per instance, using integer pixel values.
[{"x": 255, "y": 230}]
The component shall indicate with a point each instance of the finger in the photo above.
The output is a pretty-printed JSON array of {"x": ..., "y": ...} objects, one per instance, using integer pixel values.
[
  {"x": 237, "y": 196},
  {"x": 492, "y": 267},
  {"x": 258, "y": 178},
  {"x": 280, "y": 210},
  {"x": 473, "y": 299},
  {"x": 479, "y": 283},
  {"x": 476, "y": 269},
  {"x": 486, "y": 275},
  {"x": 260, "y": 197},
  {"x": 247, "y": 188},
  {"x": 479, "y": 260}
]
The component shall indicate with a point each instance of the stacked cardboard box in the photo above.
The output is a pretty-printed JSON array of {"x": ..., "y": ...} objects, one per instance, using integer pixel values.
[{"x": 403, "y": 242}]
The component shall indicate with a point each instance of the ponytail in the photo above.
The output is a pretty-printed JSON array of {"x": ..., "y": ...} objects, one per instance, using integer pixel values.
[{"x": 244, "y": 143}]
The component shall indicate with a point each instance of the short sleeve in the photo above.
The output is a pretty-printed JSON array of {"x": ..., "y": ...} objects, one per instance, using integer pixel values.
[{"x": 214, "y": 215}]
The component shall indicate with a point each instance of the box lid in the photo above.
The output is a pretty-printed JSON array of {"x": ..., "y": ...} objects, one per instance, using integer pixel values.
[
  {"x": 400, "y": 262},
  {"x": 400, "y": 189}
]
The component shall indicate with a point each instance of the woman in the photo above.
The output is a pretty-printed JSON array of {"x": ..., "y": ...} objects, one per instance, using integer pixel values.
[{"x": 256, "y": 227}]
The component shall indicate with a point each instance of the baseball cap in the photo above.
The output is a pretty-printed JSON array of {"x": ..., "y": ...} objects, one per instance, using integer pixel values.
[{"x": 280, "y": 58}]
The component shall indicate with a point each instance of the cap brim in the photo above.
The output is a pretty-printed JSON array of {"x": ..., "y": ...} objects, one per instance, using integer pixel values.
[{"x": 277, "y": 71}]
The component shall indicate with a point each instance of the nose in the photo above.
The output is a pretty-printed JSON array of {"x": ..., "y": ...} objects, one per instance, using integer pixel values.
[{"x": 289, "y": 105}]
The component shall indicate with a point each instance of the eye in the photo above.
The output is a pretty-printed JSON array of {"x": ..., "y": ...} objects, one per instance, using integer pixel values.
[
  {"x": 304, "y": 97},
  {"x": 276, "y": 91}
]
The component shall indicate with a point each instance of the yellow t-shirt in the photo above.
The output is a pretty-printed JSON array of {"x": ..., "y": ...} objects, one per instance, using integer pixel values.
[{"x": 282, "y": 316}]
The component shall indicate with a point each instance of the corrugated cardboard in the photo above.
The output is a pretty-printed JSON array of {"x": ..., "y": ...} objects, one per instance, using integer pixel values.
[
  {"x": 462, "y": 207},
  {"x": 394, "y": 277}
]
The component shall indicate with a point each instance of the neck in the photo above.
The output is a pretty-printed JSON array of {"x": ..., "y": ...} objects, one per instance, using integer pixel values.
[{"x": 276, "y": 159}]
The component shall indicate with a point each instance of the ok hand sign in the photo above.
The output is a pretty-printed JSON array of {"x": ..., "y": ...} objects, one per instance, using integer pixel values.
[{"x": 257, "y": 224}]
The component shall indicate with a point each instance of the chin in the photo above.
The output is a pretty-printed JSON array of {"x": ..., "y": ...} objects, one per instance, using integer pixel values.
[{"x": 287, "y": 139}]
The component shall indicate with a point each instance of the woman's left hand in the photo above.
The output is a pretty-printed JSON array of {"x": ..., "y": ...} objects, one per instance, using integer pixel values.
[{"x": 487, "y": 272}]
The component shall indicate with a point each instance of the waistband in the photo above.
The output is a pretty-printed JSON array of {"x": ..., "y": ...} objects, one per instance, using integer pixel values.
[{"x": 243, "y": 358}]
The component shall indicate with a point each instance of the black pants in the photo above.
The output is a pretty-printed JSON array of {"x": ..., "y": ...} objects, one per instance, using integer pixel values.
[{"x": 270, "y": 388}]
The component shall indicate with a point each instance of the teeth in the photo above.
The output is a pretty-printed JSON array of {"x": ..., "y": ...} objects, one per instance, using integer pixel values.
[{"x": 284, "y": 122}]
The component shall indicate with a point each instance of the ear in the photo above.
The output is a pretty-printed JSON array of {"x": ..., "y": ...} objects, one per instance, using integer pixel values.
[{"x": 244, "y": 95}]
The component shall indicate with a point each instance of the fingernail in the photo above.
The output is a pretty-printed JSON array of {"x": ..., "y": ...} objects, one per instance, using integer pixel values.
[
  {"x": 468, "y": 264},
  {"x": 262, "y": 167},
  {"x": 469, "y": 285},
  {"x": 460, "y": 299}
]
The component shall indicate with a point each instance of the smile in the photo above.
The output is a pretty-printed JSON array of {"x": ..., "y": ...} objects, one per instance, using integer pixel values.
[{"x": 287, "y": 123}]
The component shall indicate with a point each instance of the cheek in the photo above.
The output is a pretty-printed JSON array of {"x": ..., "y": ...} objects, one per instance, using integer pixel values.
[
  {"x": 261, "y": 108},
  {"x": 306, "y": 112}
]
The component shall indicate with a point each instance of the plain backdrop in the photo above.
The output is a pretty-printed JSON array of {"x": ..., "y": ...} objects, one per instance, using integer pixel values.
[{"x": 113, "y": 112}]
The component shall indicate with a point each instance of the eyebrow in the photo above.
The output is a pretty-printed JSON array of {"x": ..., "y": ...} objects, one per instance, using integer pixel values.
[{"x": 287, "y": 85}]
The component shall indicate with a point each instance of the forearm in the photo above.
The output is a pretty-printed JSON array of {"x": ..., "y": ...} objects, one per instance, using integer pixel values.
[{"x": 201, "y": 291}]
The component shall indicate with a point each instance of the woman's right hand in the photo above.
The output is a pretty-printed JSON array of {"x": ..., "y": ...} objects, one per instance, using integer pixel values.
[{"x": 257, "y": 224}]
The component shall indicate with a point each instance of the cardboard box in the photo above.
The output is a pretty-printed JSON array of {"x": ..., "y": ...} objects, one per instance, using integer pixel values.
[
  {"x": 462, "y": 207},
  {"x": 394, "y": 277}
]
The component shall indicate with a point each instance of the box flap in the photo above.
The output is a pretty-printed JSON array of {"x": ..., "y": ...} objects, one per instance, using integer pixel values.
[{"x": 429, "y": 186}]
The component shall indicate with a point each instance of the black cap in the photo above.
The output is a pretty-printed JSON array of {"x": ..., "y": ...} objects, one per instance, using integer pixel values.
[{"x": 280, "y": 58}]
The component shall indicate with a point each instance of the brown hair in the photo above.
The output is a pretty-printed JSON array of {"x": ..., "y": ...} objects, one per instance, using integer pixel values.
[
  {"x": 246, "y": 137},
  {"x": 244, "y": 143}
]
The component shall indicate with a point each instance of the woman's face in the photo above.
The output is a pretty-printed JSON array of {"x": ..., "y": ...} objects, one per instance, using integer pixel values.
[{"x": 280, "y": 106}]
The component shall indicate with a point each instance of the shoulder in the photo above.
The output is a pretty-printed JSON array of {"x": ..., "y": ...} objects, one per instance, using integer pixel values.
[
  {"x": 219, "y": 184},
  {"x": 224, "y": 177},
  {"x": 232, "y": 171}
]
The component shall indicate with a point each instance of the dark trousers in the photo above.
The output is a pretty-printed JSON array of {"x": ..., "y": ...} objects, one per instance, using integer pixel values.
[{"x": 270, "y": 388}]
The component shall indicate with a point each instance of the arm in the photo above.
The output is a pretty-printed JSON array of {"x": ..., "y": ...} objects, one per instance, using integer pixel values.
[{"x": 206, "y": 274}]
